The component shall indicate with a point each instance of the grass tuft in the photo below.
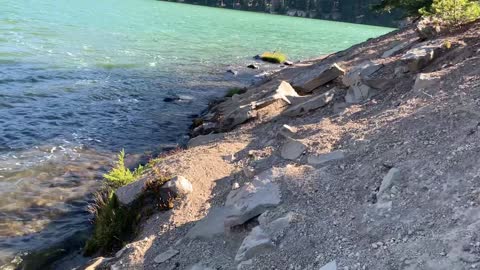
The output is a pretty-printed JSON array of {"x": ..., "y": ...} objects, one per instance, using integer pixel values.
[
  {"x": 275, "y": 57},
  {"x": 235, "y": 91},
  {"x": 121, "y": 175}
]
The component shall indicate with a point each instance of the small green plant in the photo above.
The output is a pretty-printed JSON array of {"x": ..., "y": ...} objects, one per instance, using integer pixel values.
[
  {"x": 235, "y": 91},
  {"x": 121, "y": 175},
  {"x": 113, "y": 224},
  {"x": 275, "y": 57},
  {"x": 454, "y": 12}
]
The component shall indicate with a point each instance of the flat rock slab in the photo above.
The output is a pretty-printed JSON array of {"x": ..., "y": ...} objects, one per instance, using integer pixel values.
[
  {"x": 321, "y": 75},
  {"x": 292, "y": 149},
  {"x": 251, "y": 200},
  {"x": 311, "y": 103},
  {"x": 257, "y": 242},
  {"x": 324, "y": 158},
  {"x": 127, "y": 194},
  {"x": 204, "y": 139},
  {"x": 165, "y": 256}
]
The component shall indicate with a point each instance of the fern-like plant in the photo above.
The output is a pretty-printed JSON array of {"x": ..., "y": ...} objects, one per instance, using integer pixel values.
[{"x": 121, "y": 175}]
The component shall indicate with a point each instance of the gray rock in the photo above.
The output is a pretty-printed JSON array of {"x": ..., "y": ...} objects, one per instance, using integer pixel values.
[
  {"x": 358, "y": 80},
  {"x": 257, "y": 242},
  {"x": 359, "y": 94},
  {"x": 253, "y": 66},
  {"x": 292, "y": 149},
  {"x": 204, "y": 139},
  {"x": 324, "y": 158},
  {"x": 251, "y": 200},
  {"x": 212, "y": 225},
  {"x": 283, "y": 92},
  {"x": 287, "y": 131},
  {"x": 277, "y": 226},
  {"x": 395, "y": 49},
  {"x": 310, "y": 103},
  {"x": 424, "y": 81},
  {"x": 330, "y": 266},
  {"x": 356, "y": 75},
  {"x": 317, "y": 77},
  {"x": 178, "y": 186},
  {"x": 427, "y": 29},
  {"x": 392, "y": 176},
  {"x": 165, "y": 256},
  {"x": 421, "y": 56},
  {"x": 238, "y": 116},
  {"x": 128, "y": 194}
]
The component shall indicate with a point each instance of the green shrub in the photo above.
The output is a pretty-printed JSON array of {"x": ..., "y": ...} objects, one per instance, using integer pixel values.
[
  {"x": 113, "y": 224},
  {"x": 235, "y": 91},
  {"x": 275, "y": 57},
  {"x": 121, "y": 175},
  {"x": 454, "y": 11},
  {"x": 409, "y": 7}
]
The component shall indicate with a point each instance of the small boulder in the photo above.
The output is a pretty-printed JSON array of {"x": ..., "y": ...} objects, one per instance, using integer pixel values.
[
  {"x": 251, "y": 200},
  {"x": 288, "y": 63},
  {"x": 324, "y": 158},
  {"x": 253, "y": 66},
  {"x": 424, "y": 81},
  {"x": 311, "y": 103},
  {"x": 330, "y": 266},
  {"x": 358, "y": 94},
  {"x": 284, "y": 92},
  {"x": 165, "y": 256},
  {"x": 292, "y": 149},
  {"x": 178, "y": 186},
  {"x": 321, "y": 75},
  {"x": 128, "y": 194},
  {"x": 422, "y": 55},
  {"x": 428, "y": 29},
  {"x": 257, "y": 242},
  {"x": 392, "y": 176},
  {"x": 356, "y": 75}
]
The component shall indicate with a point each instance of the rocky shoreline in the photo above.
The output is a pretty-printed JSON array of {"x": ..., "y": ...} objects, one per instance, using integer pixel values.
[{"x": 363, "y": 159}]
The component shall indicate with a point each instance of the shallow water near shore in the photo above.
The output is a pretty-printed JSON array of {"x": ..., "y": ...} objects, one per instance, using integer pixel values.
[{"x": 81, "y": 80}]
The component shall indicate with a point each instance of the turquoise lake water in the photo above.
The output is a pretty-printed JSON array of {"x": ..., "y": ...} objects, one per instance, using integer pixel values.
[{"x": 80, "y": 80}]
